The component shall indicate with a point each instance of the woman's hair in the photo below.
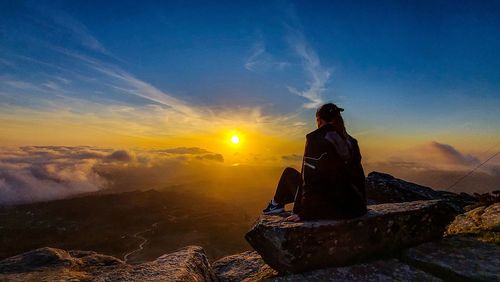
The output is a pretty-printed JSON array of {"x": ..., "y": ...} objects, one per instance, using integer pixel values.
[{"x": 331, "y": 114}]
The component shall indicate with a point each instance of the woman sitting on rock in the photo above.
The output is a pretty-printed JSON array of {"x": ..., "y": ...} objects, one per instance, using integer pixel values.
[{"x": 332, "y": 181}]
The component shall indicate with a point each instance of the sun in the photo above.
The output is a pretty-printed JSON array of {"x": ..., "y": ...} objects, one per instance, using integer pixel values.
[{"x": 235, "y": 139}]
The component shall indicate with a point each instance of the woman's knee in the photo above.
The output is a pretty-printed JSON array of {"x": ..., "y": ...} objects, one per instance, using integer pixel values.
[{"x": 289, "y": 171}]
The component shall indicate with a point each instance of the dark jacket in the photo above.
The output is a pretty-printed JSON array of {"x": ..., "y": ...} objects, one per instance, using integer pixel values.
[{"x": 333, "y": 180}]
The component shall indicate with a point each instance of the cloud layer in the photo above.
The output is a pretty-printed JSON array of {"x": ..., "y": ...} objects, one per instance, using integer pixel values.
[
  {"x": 38, "y": 173},
  {"x": 440, "y": 165}
]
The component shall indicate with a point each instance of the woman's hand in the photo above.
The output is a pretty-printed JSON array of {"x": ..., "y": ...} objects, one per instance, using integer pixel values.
[{"x": 294, "y": 218}]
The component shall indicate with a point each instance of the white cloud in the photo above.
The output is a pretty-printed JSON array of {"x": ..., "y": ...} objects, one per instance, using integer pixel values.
[
  {"x": 18, "y": 84},
  {"x": 37, "y": 173},
  {"x": 75, "y": 29},
  {"x": 261, "y": 60},
  {"x": 318, "y": 76},
  {"x": 132, "y": 85}
]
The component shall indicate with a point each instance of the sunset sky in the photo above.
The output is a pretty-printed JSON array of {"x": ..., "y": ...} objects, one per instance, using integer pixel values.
[{"x": 419, "y": 82}]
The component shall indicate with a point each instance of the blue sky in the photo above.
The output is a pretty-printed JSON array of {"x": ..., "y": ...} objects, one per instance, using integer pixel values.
[
  {"x": 412, "y": 67},
  {"x": 419, "y": 81}
]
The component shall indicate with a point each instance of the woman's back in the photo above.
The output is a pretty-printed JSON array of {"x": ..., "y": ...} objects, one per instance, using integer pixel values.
[
  {"x": 333, "y": 178},
  {"x": 332, "y": 181}
]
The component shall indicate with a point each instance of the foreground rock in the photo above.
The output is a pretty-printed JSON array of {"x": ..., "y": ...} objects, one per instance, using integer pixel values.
[
  {"x": 384, "y": 188},
  {"x": 387, "y": 270},
  {"x": 49, "y": 264},
  {"x": 457, "y": 259},
  {"x": 296, "y": 247},
  {"x": 482, "y": 223},
  {"x": 246, "y": 266}
]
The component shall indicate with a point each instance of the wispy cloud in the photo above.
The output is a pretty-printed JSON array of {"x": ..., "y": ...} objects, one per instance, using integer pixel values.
[
  {"x": 74, "y": 29},
  {"x": 6, "y": 62},
  {"x": 261, "y": 60},
  {"x": 18, "y": 84},
  {"x": 318, "y": 76},
  {"x": 52, "y": 85},
  {"x": 128, "y": 83}
]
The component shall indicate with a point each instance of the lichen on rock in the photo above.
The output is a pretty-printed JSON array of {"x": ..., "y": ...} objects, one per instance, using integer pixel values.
[{"x": 482, "y": 223}]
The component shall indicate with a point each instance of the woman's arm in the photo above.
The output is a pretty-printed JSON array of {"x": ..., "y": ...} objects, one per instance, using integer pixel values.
[{"x": 309, "y": 173}]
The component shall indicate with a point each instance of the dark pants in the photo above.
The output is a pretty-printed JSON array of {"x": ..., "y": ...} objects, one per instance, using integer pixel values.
[{"x": 288, "y": 185}]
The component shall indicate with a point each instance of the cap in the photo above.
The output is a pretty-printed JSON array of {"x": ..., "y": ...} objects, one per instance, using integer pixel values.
[
  {"x": 329, "y": 108},
  {"x": 338, "y": 109},
  {"x": 328, "y": 112}
]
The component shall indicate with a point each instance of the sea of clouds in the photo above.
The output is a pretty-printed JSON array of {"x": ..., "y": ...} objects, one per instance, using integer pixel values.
[{"x": 38, "y": 173}]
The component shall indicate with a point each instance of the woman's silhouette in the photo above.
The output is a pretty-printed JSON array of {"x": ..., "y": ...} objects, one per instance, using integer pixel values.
[{"x": 332, "y": 181}]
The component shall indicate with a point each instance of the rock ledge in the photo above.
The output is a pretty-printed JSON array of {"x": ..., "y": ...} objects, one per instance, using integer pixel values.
[{"x": 297, "y": 247}]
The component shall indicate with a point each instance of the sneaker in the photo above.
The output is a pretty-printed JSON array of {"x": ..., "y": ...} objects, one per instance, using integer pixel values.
[{"x": 274, "y": 209}]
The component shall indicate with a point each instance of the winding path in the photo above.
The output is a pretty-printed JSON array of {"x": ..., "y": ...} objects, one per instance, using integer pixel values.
[{"x": 144, "y": 241}]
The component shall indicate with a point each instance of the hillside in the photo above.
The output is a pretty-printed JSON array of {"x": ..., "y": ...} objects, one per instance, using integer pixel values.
[{"x": 108, "y": 223}]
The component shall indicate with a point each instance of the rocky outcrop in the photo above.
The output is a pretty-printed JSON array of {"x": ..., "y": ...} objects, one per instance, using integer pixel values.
[
  {"x": 51, "y": 259},
  {"x": 485, "y": 199},
  {"x": 296, "y": 247},
  {"x": 49, "y": 264},
  {"x": 384, "y": 188},
  {"x": 482, "y": 223},
  {"x": 383, "y": 270},
  {"x": 247, "y": 266},
  {"x": 457, "y": 259}
]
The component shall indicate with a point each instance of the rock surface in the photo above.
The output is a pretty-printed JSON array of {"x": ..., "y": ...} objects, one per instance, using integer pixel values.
[
  {"x": 387, "y": 270},
  {"x": 49, "y": 264},
  {"x": 246, "y": 266},
  {"x": 296, "y": 247},
  {"x": 458, "y": 259},
  {"x": 482, "y": 223},
  {"x": 384, "y": 188}
]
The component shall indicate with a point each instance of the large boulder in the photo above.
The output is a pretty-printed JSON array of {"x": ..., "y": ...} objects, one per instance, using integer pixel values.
[
  {"x": 52, "y": 258},
  {"x": 50, "y": 264},
  {"x": 187, "y": 264},
  {"x": 482, "y": 222},
  {"x": 382, "y": 270},
  {"x": 245, "y": 267},
  {"x": 37, "y": 259},
  {"x": 457, "y": 258},
  {"x": 296, "y": 247},
  {"x": 384, "y": 188}
]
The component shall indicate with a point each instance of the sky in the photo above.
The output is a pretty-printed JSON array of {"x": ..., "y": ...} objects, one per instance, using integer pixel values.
[{"x": 419, "y": 82}]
